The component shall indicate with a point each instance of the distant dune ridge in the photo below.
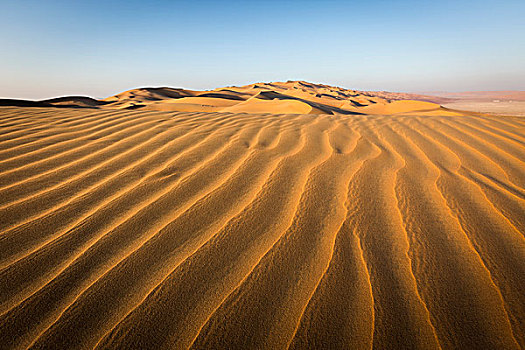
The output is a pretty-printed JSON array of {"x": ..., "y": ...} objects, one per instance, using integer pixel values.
[
  {"x": 270, "y": 216},
  {"x": 297, "y": 97},
  {"x": 278, "y": 97}
]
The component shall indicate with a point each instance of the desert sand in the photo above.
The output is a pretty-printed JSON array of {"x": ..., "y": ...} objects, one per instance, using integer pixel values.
[
  {"x": 494, "y": 102},
  {"x": 494, "y": 107},
  {"x": 297, "y": 97},
  {"x": 260, "y": 218}
]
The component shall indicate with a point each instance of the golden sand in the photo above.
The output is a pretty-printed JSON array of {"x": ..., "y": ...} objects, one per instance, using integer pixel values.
[
  {"x": 295, "y": 97},
  {"x": 207, "y": 230}
]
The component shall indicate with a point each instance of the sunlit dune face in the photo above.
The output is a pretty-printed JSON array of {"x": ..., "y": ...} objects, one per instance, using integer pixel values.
[{"x": 296, "y": 97}]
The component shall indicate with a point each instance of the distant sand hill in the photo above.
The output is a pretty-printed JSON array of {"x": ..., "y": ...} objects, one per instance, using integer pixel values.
[
  {"x": 279, "y": 97},
  {"x": 272, "y": 216}
]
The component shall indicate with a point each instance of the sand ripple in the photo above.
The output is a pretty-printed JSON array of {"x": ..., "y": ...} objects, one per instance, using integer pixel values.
[{"x": 144, "y": 229}]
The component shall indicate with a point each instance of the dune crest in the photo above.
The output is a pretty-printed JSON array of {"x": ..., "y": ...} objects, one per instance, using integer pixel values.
[{"x": 297, "y": 97}]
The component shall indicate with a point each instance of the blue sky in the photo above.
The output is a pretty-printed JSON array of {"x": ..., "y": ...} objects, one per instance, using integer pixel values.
[{"x": 99, "y": 48}]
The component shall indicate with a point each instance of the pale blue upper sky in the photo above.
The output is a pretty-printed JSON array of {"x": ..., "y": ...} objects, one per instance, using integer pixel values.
[{"x": 99, "y": 48}]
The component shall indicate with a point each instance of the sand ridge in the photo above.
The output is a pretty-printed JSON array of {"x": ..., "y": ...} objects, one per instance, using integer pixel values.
[
  {"x": 130, "y": 228},
  {"x": 278, "y": 97}
]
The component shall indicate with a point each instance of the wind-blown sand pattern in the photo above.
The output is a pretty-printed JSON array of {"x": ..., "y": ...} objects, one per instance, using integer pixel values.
[{"x": 156, "y": 229}]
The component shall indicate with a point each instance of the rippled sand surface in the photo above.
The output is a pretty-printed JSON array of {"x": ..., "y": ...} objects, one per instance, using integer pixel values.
[{"x": 146, "y": 229}]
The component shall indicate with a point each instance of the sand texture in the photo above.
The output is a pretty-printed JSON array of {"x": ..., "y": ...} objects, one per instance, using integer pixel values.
[{"x": 329, "y": 227}]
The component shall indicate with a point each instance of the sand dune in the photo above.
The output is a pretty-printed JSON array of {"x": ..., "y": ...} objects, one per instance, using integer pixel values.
[
  {"x": 231, "y": 229},
  {"x": 273, "y": 106},
  {"x": 297, "y": 97}
]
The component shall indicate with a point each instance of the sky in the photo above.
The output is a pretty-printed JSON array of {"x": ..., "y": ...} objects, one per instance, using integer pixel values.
[{"x": 99, "y": 48}]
